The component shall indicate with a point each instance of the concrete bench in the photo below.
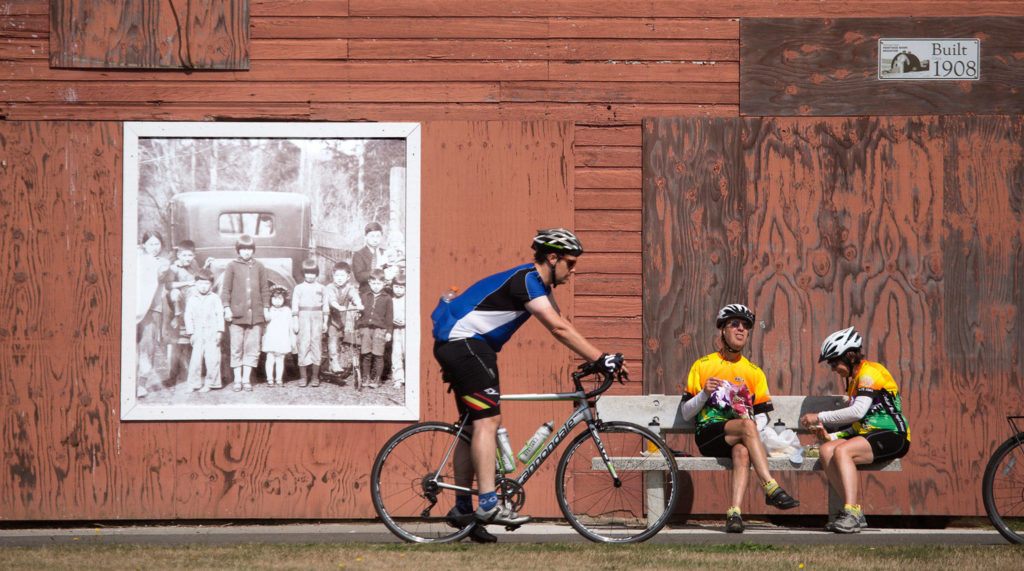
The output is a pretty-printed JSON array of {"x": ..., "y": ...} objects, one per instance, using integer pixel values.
[{"x": 661, "y": 413}]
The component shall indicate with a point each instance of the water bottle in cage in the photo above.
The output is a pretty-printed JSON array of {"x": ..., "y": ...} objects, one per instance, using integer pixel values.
[
  {"x": 505, "y": 462},
  {"x": 532, "y": 446}
]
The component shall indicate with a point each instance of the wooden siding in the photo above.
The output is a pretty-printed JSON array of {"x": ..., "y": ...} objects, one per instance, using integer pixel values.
[
  {"x": 202, "y": 34},
  {"x": 310, "y": 60},
  {"x": 910, "y": 229},
  {"x": 808, "y": 66}
]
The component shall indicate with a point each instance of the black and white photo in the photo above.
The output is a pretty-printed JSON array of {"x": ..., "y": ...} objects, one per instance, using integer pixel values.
[{"x": 271, "y": 270}]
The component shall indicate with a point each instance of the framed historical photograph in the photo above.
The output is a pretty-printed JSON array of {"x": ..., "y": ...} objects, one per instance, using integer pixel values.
[{"x": 270, "y": 271}]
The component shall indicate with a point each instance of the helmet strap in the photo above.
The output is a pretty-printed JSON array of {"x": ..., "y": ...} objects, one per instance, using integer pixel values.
[{"x": 726, "y": 348}]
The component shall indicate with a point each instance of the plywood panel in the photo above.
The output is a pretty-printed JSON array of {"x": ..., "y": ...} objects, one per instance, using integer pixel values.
[
  {"x": 830, "y": 67},
  {"x": 694, "y": 215},
  {"x": 66, "y": 454},
  {"x": 981, "y": 260},
  {"x": 907, "y": 228},
  {"x": 201, "y": 34},
  {"x": 59, "y": 306}
]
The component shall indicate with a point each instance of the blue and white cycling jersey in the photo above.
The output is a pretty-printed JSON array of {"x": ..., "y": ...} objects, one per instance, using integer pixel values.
[{"x": 492, "y": 309}]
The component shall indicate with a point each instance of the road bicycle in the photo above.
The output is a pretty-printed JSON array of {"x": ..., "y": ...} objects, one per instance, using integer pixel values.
[
  {"x": 1002, "y": 488},
  {"x": 413, "y": 480}
]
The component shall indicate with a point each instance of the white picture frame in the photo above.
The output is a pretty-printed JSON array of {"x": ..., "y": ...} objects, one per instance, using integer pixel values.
[{"x": 350, "y": 175}]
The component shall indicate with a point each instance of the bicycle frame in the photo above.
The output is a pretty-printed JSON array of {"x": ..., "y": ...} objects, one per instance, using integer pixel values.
[
  {"x": 1012, "y": 420},
  {"x": 582, "y": 414}
]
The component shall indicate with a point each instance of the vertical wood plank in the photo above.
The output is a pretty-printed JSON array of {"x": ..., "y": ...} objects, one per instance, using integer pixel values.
[
  {"x": 694, "y": 221},
  {"x": 488, "y": 187},
  {"x": 983, "y": 253}
]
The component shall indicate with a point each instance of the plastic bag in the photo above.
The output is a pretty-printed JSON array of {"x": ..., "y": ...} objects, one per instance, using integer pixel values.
[
  {"x": 735, "y": 396},
  {"x": 779, "y": 443}
]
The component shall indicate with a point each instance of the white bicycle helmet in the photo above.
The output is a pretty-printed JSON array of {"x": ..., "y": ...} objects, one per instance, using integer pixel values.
[
  {"x": 838, "y": 343},
  {"x": 557, "y": 240},
  {"x": 734, "y": 310}
]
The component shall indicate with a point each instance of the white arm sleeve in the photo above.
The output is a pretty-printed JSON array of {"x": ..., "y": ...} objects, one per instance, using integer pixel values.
[
  {"x": 690, "y": 407},
  {"x": 852, "y": 413},
  {"x": 761, "y": 419}
]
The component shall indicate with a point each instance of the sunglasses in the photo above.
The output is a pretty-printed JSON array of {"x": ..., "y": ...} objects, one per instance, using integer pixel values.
[
  {"x": 737, "y": 323},
  {"x": 833, "y": 363},
  {"x": 568, "y": 263}
]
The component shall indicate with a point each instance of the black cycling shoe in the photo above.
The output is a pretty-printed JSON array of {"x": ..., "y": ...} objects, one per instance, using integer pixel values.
[
  {"x": 780, "y": 499},
  {"x": 478, "y": 534},
  {"x": 481, "y": 535}
]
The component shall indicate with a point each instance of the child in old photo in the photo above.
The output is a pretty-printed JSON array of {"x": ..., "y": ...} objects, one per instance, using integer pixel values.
[
  {"x": 398, "y": 334},
  {"x": 204, "y": 326},
  {"x": 179, "y": 279},
  {"x": 343, "y": 304},
  {"x": 309, "y": 322},
  {"x": 374, "y": 326},
  {"x": 245, "y": 295},
  {"x": 278, "y": 340}
]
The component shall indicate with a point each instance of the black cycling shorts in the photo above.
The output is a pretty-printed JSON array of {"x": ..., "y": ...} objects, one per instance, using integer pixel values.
[
  {"x": 885, "y": 444},
  {"x": 470, "y": 366},
  {"x": 711, "y": 441}
]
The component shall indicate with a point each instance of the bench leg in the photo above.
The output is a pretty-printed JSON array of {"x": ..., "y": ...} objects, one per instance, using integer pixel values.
[
  {"x": 655, "y": 483},
  {"x": 835, "y": 502}
]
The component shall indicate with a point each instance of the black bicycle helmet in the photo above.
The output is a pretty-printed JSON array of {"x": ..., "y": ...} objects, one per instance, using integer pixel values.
[
  {"x": 557, "y": 240},
  {"x": 734, "y": 310},
  {"x": 837, "y": 344}
]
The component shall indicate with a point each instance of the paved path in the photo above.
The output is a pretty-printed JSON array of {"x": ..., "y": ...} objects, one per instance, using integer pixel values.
[{"x": 536, "y": 532}]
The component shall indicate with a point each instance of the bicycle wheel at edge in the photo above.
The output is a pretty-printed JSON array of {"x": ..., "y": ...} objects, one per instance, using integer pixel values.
[
  {"x": 400, "y": 484},
  {"x": 1002, "y": 488},
  {"x": 587, "y": 494}
]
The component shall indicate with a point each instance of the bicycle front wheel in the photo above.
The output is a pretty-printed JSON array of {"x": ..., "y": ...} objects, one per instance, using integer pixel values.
[
  {"x": 407, "y": 481},
  {"x": 604, "y": 510},
  {"x": 1002, "y": 489}
]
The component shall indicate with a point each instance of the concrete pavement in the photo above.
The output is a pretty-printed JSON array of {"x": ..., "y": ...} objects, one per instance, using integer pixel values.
[{"x": 535, "y": 532}]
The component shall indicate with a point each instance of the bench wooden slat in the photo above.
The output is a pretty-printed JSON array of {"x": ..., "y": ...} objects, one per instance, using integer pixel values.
[{"x": 702, "y": 463}]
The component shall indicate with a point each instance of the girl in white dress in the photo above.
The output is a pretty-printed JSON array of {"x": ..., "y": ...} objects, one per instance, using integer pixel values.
[{"x": 278, "y": 340}]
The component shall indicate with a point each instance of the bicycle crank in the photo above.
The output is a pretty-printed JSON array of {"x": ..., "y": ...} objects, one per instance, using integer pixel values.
[{"x": 511, "y": 493}]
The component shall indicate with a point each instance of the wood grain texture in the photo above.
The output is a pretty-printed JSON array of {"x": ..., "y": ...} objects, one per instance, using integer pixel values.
[
  {"x": 908, "y": 228},
  {"x": 981, "y": 258},
  {"x": 177, "y": 34},
  {"x": 830, "y": 67},
  {"x": 693, "y": 217},
  {"x": 66, "y": 453}
]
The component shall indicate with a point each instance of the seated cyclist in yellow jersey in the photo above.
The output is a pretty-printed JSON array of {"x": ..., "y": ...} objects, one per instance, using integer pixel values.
[
  {"x": 727, "y": 428},
  {"x": 875, "y": 428}
]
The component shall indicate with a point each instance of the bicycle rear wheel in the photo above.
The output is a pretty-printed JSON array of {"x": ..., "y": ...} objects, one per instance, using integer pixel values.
[
  {"x": 595, "y": 506},
  {"x": 404, "y": 483},
  {"x": 1002, "y": 489}
]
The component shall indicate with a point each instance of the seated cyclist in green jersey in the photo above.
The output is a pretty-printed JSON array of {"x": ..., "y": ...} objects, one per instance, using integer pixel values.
[
  {"x": 730, "y": 430},
  {"x": 470, "y": 329},
  {"x": 876, "y": 428}
]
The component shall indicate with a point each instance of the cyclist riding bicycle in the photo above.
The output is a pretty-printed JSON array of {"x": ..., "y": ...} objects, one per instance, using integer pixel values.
[
  {"x": 728, "y": 396},
  {"x": 470, "y": 329},
  {"x": 878, "y": 430}
]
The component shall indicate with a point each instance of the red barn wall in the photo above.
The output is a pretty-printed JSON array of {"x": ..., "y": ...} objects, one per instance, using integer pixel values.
[{"x": 566, "y": 84}]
